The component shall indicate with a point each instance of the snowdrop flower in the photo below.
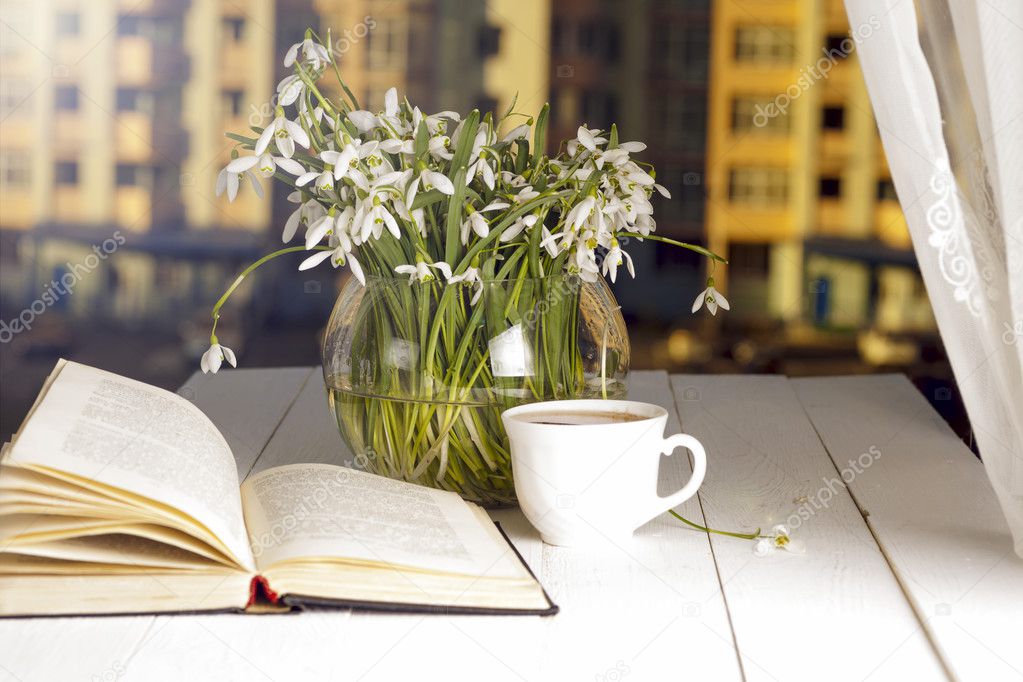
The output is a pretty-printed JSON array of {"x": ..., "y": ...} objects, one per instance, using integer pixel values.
[
  {"x": 578, "y": 214},
  {"x": 438, "y": 146},
  {"x": 289, "y": 90},
  {"x": 614, "y": 258},
  {"x": 421, "y": 271},
  {"x": 713, "y": 298},
  {"x": 308, "y": 212},
  {"x": 518, "y": 133},
  {"x": 215, "y": 356},
  {"x": 313, "y": 54},
  {"x": 285, "y": 133},
  {"x": 588, "y": 138},
  {"x": 478, "y": 161},
  {"x": 779, "y": 538},
  {"x": 476, "y": 222},
  {"x": 228, "y": 178},
  {"x": 516, "y": 228},
  {"x": 470, "y": 276},
  {"x": 434, "y": 180},
  {"x": 340, "y": 255}
]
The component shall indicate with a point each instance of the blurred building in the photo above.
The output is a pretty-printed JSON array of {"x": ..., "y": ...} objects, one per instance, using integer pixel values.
[
  {"x": 798, "y": 191},
  {"x": 113, "y": 122},
  {"x": 642, "y": 65}
]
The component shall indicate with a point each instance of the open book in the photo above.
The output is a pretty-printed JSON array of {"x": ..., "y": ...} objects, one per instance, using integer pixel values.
[{"x": 119, "y": 497}]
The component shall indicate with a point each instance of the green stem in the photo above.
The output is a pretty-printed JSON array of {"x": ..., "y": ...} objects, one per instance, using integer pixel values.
[
  {"x": 692, "y": 247},
  {"x": 245, "y": 273},
  {"x": 742, "y": 536}
]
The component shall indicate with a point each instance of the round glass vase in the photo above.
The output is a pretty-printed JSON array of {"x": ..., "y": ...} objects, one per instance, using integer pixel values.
[{"x": 418, "y": 373}]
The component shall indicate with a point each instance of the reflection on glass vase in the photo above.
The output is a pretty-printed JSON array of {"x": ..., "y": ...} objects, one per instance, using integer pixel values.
[{"x": 418, "y": 374}]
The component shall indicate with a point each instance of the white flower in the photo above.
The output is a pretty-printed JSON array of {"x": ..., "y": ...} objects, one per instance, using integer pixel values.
[
  {"x": 439, "y": 181},
  {"x": 307, "y": 212},
  {"x": 289, "y": 90},
  {"x": 779, "y": 538},
  {"x": 516, "y": 228},
  {"x": 228, "y": 178},
  {"x": 588, "y": 138},
  {"x": 470, "y": 276},
  {"x": 421, "y": 271},
  {"x": 313, "y": 54},
  {"x": 578, "y": 214},
  {"x": 614, "y": 258},
  {"x": 215, "y": 356},
  {"x": 285, "y": 133},
  {"x": 713, "y": 298},
  {"x": 477, "y": 223},
  {"x": 516, "y": 133}
]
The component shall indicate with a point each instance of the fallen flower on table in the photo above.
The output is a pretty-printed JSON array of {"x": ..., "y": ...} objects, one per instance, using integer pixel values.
[{"x": 779, "y": 538}]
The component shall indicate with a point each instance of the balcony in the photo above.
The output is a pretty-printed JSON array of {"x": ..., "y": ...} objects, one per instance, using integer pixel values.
[
  {"x": 832, "y": 219},
  {"x": 749, "y": 223}
]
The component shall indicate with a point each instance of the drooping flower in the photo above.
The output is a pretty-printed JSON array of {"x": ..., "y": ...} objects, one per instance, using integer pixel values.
[
  {"x": 475, "y": 222},
  {"x": 614, "y": 258},
  {"x": 215, "y": 356},
  {"x": 421, "y": 271},
  {"x": 713, "y": 298},
  {"x": 229, "y": 177},
  {"x": 313, "y": 54},
  {"x": 779, "y": 538},
  {"x": 470, "y": 276},
  {"x": 286, "y": 133}
]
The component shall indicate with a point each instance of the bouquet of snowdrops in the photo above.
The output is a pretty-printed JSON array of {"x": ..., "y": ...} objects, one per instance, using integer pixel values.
[{"x": 450, "y": 203}]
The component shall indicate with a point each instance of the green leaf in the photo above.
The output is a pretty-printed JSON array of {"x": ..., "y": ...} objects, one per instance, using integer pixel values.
[
  {"x": 422, "y": 139},
  {"x": 613, "y": 141},
  {"x": 540, "y": 134},
  {"x": 465, "y": 139},
  {"x": 241, "y": 138},
  {"x": 511, "y": 107},
  {"x": 454, "y": 217}
]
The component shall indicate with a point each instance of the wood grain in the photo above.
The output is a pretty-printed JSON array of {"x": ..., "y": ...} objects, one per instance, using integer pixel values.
[
  {"x": 928, "y": 501},
  {"x": 835, "y": 613}
]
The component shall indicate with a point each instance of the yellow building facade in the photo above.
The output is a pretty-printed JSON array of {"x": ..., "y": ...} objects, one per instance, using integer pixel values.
[{"x": 794, "y": 161}]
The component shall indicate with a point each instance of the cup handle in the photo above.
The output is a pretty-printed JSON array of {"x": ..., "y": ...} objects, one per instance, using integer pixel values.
[{"x": 683, "y": 440}]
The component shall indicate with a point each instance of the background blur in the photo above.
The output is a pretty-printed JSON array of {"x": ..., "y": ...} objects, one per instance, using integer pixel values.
[{"x": 113, "y": 246}]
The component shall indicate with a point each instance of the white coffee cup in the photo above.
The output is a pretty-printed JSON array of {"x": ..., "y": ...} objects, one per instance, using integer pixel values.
[{"x": 580, "y": 482}]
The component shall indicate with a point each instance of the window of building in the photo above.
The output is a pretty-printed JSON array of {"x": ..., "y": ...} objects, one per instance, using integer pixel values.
[
  {"x": 758, "y": 186},
  {"x": 127, "y": 175},
  {"x": 749, "y": 259},
  {"x": 830, "y": 187},
  {"x": 66, "y": 97},
  {"x": 232, "y": 102},
  {"x": 15, "y": 171},
  {"x": 836, "y": 44},
  {"x": 234, "y": 29},
  {"x": 765, "y": 44},
  {"x": 600, "y": 109},
  {"x": 386, "y": 44},
  {"x": 129, "y": 25},
  {"x": 681, "y": 49},
  {"x": 485, "y": 103},
  {"x": 66, "y": 173},
  {"x": 680, "y": 122},
  {"x": 758, "y": 114},
  {"x": 558, "y": 37},
  {"x": 587, "y": 37},
  {"x": 833, "y": 118},
  {"x": 886, "y": 190},
  {"x": 13, "y": 94},
  {"x": 69, "y": 24},
  {"x": 489, "y": 41}
]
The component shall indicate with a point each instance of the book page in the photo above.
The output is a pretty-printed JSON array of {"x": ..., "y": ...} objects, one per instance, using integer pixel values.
[
  {"x": 319, "y": 510},
  {"x": 139, "y": 438}
]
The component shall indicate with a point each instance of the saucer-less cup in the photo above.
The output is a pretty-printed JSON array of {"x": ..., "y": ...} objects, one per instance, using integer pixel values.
[{"x": 579, "y": 483}]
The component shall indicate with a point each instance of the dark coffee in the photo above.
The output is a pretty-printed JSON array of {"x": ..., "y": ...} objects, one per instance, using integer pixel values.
[{"x": 581, "y": 418}]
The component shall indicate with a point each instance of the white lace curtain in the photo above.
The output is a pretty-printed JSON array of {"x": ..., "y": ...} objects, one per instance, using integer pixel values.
[{"x": 946, "y": 81}]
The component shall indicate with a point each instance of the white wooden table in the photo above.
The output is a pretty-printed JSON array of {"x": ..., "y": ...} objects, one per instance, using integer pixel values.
[{"x": 908, "y": 575}]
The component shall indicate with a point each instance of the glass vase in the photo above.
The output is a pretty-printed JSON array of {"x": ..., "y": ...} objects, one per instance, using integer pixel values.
[{"x": 418, "y": 373}]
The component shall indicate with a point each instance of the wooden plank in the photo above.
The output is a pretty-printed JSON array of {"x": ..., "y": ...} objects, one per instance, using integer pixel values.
[
  {"x": 644, "y": 608},
  {"x": 246, "y": 406},
  {"x": 928, "y": 501},
  {"x": 307, "y": 433},
  {"x": 835, "y": 613}
]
